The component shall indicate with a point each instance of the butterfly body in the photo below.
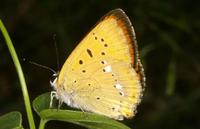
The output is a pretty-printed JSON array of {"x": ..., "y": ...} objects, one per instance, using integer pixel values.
[{"x": 103, "y": 74}]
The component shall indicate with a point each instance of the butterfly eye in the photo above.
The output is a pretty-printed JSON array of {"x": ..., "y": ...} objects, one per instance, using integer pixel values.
[{"x": 53, "y": 78}]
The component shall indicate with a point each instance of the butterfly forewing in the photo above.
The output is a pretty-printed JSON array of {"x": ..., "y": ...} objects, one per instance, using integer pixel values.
[{"x": 99, "y": 75}]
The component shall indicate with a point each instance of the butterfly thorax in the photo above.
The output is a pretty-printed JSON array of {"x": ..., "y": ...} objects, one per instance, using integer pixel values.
[{"x": 62, "y": 94}]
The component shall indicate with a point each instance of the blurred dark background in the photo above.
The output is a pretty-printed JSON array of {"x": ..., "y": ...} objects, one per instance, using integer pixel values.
[{"x": 168, "y": 39}]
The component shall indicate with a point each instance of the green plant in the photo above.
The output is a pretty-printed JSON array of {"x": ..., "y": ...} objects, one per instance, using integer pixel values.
[{"x": 41, "y": 106}]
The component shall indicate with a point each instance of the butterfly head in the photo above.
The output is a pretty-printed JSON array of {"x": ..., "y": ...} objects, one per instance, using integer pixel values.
[
  {"x": 54, "y": 79},
  {"x": 59, "y": 92}
]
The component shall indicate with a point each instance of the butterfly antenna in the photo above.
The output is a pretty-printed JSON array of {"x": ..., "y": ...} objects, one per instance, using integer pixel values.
[
  {"x": 42, "y": 66},
  {"x": 56, "y": 49}
]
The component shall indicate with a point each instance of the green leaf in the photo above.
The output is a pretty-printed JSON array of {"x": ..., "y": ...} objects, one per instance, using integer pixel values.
[
  {"x": 12, "y": 120},
  {"x": 86, "y": 119}
]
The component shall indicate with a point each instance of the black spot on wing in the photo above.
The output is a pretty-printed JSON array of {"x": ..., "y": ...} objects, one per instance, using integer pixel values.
[
  {"x": 103, "y": 53},
  {"x": 89, "y": 52},
  {"x": 80, "y": 62}
]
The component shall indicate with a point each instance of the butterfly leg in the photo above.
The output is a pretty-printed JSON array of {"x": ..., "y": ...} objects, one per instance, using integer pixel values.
[
  {"x": 85, "y": 116},
  {"x": 60, "y": 102},
  {"x": 52, "y": 96}
]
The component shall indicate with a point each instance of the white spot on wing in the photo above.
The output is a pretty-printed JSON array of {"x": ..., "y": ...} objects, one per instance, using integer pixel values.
[
  {"x": 108, "y": 68},
  {"x": 118, "y": 86},
  {"x": 105, "y": 62}
]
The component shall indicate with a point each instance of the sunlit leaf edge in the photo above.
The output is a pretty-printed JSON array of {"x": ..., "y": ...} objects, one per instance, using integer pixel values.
[
  {"x": 11, "y": 120},
  {"x": 86, "y": 119}
]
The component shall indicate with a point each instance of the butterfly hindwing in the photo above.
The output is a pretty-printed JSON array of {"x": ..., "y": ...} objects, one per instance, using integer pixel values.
[{"x": 112, "y": 90}]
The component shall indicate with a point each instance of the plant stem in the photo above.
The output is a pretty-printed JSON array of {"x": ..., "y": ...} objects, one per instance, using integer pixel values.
[
  {"x": 42, "y": 123},
  {"x": 171, "y": 78},
  {"x": 20, "y": 74}
]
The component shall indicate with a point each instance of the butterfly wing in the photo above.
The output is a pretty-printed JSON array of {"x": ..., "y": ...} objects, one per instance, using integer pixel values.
[{"x": 103, "y": 74}]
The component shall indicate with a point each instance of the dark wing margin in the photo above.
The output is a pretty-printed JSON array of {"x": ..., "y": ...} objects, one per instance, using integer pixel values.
[
  {"x": 128, "y": 29},
  {"x": 124, "y": 22}
]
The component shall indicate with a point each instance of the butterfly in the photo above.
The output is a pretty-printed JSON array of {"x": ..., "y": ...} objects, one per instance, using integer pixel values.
[{"x": 103, "y": 74}]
